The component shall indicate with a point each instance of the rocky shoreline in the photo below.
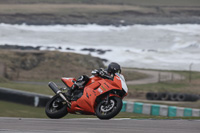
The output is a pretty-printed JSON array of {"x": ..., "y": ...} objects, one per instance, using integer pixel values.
[
  {"x": 18, "y": 47},
  {"x": 42, "y": 14},
  {"x": 120, "y": 18}
]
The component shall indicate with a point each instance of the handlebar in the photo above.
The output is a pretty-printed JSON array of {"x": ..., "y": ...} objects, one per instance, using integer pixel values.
[
  {"x": 101, "y": 73},
  {"x": 106, "y": 77}
]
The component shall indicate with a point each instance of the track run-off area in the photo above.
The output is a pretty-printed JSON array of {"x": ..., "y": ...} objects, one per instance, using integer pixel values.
[{"x": 91, "y": 125}]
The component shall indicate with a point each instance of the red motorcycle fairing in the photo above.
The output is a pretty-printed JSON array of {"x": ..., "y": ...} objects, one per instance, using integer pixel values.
[
  {"x": 68, "y": 81},
  {"x": 86, "y": 102},
  {"x": 93, "y": 89}
]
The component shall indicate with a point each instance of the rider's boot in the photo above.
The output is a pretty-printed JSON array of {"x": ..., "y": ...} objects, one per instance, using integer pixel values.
[{"x": 71, "y": 90}]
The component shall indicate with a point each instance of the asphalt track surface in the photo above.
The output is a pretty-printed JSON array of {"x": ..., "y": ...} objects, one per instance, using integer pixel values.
[{"x": 29, "y": 125}]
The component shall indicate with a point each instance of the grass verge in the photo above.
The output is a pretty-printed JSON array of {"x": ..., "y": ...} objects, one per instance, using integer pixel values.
[
  {"x": 9, "y": 109},
  {"x": 17, "y": 110},
  {"x": 36, "y": 88},
  {"x": 190, "y": 84}
]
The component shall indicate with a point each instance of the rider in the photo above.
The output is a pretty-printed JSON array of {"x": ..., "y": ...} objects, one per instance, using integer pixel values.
[{"x": 83, "y": 80}]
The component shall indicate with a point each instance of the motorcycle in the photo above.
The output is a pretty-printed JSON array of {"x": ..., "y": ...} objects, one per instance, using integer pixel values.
[{"x": 102, "y": 96}]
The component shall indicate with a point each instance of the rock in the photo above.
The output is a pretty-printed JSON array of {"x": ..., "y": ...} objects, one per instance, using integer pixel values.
[
  {"x": 99, "y": 51},
  {"x": 18, "y": 47},
  {"x": 69, "y": 48},
  {"x": 88, "y": 49}
]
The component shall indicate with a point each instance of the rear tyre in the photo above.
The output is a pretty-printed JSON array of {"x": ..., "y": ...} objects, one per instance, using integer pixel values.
[
  {"x": 56, "y": 108},
  {"x": 109, "y": 110}
]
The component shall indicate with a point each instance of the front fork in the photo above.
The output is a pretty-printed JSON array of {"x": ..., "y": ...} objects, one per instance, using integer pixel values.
[
  {"x": 107, "y": 99},
  {"x": 110, "y": 94}
]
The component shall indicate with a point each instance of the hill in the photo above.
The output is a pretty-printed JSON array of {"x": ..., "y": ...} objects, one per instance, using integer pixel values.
[{"x": 36, "y": 65}]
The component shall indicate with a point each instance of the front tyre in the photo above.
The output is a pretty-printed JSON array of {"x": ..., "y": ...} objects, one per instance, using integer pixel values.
[
  {"x": 109, "y": 110},
  {"x": 56, "y": 108}
]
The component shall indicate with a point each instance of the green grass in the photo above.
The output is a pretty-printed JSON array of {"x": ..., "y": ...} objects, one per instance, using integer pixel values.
[
  {"x": 171, "y": 86},
  {"x": 9, "y": 109},
  {"x": 17, "y": 110},
  {"x": 158, "y": 87},
  {"x": 42, "y": 89},
  {"x": 133, "y": 75},
  {"x": 193, "y": 75}
]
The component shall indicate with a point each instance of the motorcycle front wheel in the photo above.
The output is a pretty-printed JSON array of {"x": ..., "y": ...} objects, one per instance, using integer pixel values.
[
  {"x": 107, "y": 110},
  {"x": 56, "y": 108}
]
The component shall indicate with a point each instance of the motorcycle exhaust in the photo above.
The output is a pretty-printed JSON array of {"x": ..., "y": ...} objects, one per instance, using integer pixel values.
[{"x": 55, "y": 89}]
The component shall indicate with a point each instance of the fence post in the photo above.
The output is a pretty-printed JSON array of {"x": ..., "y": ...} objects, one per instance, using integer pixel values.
[
  {"x": 158, "y": 76},
  {"x": 190, "y": 72}
]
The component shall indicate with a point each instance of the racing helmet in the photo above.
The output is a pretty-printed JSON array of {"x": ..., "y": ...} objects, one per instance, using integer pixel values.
[{"x": 114, "y": 68}]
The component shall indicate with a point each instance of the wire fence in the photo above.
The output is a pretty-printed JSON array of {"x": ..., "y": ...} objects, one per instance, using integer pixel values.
[{"x": 163, "y": 77}]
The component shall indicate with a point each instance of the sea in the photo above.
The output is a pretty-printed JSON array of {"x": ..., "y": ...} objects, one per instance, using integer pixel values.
[{"x": 164, "y": 47}]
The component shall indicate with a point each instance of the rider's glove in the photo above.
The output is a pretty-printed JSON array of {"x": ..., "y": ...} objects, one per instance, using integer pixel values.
[
  {"x": 95, "y": 72},
  {"x": 102, "y": 73},
  {"x": 98, "y": 72}
]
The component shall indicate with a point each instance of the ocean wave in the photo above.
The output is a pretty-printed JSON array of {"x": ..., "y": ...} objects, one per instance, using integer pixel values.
[
  {"x": 58, "y": 28},
  {"x": 171, "y": 47},
  {"x": 188, "y": 45}
]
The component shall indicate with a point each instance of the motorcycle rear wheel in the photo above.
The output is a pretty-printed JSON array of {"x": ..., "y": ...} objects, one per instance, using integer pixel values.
[
  {"x": 110, "y": 110},
  {"x": 55, "y": 108}
]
